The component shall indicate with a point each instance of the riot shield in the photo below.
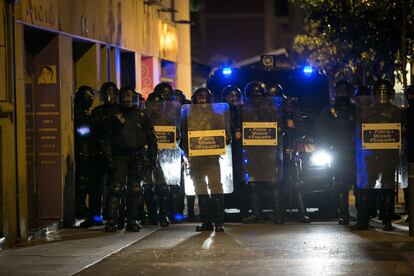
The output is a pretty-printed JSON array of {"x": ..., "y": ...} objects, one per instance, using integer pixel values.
[
  {"x": 165, "y": 117},
  {"x": 401, "y": 102},
  {"x": 207, "y": 150},
  {"x": 262, "y": 140},
  {"x": 378, "y": 143}
]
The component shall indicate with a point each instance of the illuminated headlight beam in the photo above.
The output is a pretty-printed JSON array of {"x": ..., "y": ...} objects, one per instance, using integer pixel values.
[{"x": 321, "y": 158}]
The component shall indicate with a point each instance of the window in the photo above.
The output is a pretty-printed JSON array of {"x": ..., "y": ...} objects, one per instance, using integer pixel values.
[{"x": 281, "y": 8}]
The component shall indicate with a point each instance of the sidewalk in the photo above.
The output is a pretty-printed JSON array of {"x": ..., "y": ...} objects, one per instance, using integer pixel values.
[{"x": 76, "y": 250}]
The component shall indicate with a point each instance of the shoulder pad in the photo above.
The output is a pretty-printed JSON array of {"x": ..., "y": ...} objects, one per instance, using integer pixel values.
[
  {"x": 120, "y": 118},
  {"x": 334, "y": 113}
]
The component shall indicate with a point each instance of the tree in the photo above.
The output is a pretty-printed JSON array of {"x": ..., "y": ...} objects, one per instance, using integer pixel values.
[{"x": 357, "y": 39}]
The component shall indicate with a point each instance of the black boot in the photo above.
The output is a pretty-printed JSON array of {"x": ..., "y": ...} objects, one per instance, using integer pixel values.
[
  {"x": 217, "y": 204},
  {"x": 190, "y": 206},
  {"x": 243, "y": 200},
  {"x": 363, "y": 214},
  {"x": 256, "y": 216},
  {"x": 301, "y": 209},
  {"x": 122, "y": 213},
  {"x": 151, "y": 205},
  {"x": 92, "y": 221},
  {"x": 133, "y": 203},
  {"x": 388, "y": 198},
  {"x": 176, "y": 215},
  {"x": 112, "y": 204},
  {"x": 343, "y": 209},
  {"x": 372, "y": 203},
  {"x": 115, "y": 193},
  {"x": 132, "y": 226},
  {"x": 205, "y": 214},
  {"x": 164, "y": 203},
  {"x": 81, "y": 210},
  {"x": 278, "y": 209}
]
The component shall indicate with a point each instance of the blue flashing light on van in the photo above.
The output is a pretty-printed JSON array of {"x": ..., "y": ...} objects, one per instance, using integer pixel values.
[
  {"x": 227, "y": 71},
  {"x": 307, "y": 70}
]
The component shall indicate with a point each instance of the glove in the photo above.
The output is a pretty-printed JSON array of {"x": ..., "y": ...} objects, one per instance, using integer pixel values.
[
  {"x": 108, "y": 161},
  {"x": 153, "y": 163}
]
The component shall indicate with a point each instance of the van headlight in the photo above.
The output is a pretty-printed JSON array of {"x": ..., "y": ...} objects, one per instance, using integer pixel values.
[{"x": 321, "y": 158}]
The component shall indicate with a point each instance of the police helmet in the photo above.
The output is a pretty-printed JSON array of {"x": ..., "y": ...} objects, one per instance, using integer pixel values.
[
  {"x": 84, "y": 97},
  {"x": 178, "y": 96},
  {"x": 231, "y": 94},
  {"x": 154, "y": 97},
  {"x": 163, "y": 88},
  {"x": 202, "y": 95},
  {"x": 128, "y": 97},
  {"x": 275, "y": 90},
  {"x": 343, "y": 88},
  {"x": 255, "y": 89},
  {"x": 363, "y": 90},
  {"x": 384, "y": 90},
  {"x": 409, "y": 90},
  {"x": 109, "y": 92}
]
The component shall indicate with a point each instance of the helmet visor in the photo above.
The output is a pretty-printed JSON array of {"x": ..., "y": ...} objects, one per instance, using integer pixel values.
[{"x": 130, "y": 99}]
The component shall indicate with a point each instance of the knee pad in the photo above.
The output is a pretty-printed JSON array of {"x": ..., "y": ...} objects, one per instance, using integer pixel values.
[
  {"x": 148, "y": 188},
  {"x": 175, "y": 189},
  {"x": 134, "y": 189},
  {"x": 252, "y": 186},
  {"x": 116, "y": 189},
  {"x": 161, "y": 189}
]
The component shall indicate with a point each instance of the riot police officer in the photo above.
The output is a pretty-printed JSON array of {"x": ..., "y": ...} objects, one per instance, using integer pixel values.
[
  {"x": 409, "y": 93},
  {"x": 363, "y": 97},
  {"x": 155, "y": 187},
  {"x": 262, "y": 163},
  {"x": 211, "y": 206},
  {"x": 184, "y": 166},
  {"x": 293, "y": 130},
  {"x": 254, "y": 89},
  {"x": 130, "y": 146},
  {"x": 98, "y": 168},
  {"x": 82, "y": 123},
  {"x": 379, "y": 164},
  {"x": 177, "y": 191},
  {"x": 335, "y": 131},
  {"x": 233, "y": 96}
]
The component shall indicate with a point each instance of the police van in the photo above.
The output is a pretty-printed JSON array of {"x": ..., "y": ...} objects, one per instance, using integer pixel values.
[{"x": 308, "y": 88}]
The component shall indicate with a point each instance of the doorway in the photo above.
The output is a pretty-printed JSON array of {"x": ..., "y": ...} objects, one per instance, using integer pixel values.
[{"x": 44, "y": 173}]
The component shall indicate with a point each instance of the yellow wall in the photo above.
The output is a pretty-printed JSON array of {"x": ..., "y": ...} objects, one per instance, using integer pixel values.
[
  {"x": 129, "y": 24},
  {"x": 2, "y": 56},
  {"x": 8, "y": 209},
  {"x": 184, "y": 49},
  {"x": 113, "y": 24}
]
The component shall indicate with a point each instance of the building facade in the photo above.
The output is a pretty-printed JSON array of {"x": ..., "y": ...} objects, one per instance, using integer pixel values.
[
  {"x": 228, "y": 32},
  {"x": 48, "y": 49}
]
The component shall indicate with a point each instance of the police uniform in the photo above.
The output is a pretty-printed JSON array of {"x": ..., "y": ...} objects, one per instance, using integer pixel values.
[
  {"x": 131, "y": 146},
  {"x": 82, "y": 125},
  {"x": 211, "y": 207},
  {"x": 378, "y": 166},
  {"x": 291, "y": 167},
  {"x": 336, "y": 133}
]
